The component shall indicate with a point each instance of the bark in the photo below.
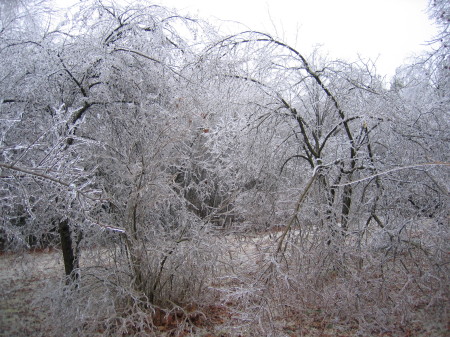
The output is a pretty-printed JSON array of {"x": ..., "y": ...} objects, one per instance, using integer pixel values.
[
  {"x": 346, "y": 204},
  {"x": 69, "y": 256}
]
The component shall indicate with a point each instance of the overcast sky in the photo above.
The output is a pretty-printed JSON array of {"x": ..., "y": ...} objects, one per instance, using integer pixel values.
[{"x": 384, "y": 30}]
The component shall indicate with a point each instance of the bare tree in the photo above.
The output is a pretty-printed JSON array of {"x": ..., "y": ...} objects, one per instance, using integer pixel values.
[{"x": 341, "y": 124}]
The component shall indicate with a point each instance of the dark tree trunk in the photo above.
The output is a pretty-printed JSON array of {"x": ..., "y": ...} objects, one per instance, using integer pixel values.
[
  {"x": 346, "y": 204},
  {"x": 69, "y": 256}
]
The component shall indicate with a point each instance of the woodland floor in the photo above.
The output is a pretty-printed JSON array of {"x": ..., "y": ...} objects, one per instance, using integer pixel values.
[{"x": 22, "y": 276}]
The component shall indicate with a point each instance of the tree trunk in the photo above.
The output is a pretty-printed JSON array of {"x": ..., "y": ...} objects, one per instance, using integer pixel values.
[
  {"x": 346, "y": 204},
  {"x": 69, "y": 256}
]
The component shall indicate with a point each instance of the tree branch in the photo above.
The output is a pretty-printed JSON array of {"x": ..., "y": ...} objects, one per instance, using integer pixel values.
[{"x": 295, "y": 156}]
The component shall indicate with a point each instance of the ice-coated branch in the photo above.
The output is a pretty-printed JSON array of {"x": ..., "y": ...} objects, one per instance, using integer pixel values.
[
  {"x": 33, "y": 172},
  {"x": 393, "y": 170}
]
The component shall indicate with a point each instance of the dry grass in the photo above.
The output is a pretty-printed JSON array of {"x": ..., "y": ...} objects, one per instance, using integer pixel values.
[
  {"x": 21, "y": 279},
  {"x": 250, "y": 295}
]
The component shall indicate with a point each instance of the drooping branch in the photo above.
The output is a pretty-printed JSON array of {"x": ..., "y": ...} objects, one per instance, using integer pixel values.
[
  {"x": 291, "y": 109},
  {"x": 34, "y": 173},
  {"x": 327, "y": 91},
  {"x": 393, "y": 170},
  {"x": 298, "y": 205},
  {"x": 138, "y": 53},
  {"x": 39, "y": 174},
  {"x": 263, "y": 37},
  {"x": 296, "y": 156},
  {"x": 69, "y": 186}
]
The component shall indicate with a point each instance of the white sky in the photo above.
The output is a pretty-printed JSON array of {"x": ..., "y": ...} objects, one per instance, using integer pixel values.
[{"x": 387, "y": 31}]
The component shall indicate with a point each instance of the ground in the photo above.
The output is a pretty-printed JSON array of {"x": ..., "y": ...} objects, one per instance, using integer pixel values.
[{"x": 23, "y": 275}]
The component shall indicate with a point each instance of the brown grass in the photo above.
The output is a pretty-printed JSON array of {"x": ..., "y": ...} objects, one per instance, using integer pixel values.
[{"x": 233, "y": 311}]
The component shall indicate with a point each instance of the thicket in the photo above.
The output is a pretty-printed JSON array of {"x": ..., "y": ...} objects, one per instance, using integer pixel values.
[{"x": 195, "y": 182}]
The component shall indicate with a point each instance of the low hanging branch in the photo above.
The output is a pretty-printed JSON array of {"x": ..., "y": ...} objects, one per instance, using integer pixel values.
[
  {"x": 301, "y": 199},
  {"x": 40, "y": 175},
  {"x": 70, "y": 187},
  {"x": 282, "y": 245},
  {"x": 391, "y": 171}
]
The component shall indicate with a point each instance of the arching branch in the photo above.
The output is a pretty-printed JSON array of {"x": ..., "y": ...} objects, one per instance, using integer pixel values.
[{"x": 296, "y": 156}]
